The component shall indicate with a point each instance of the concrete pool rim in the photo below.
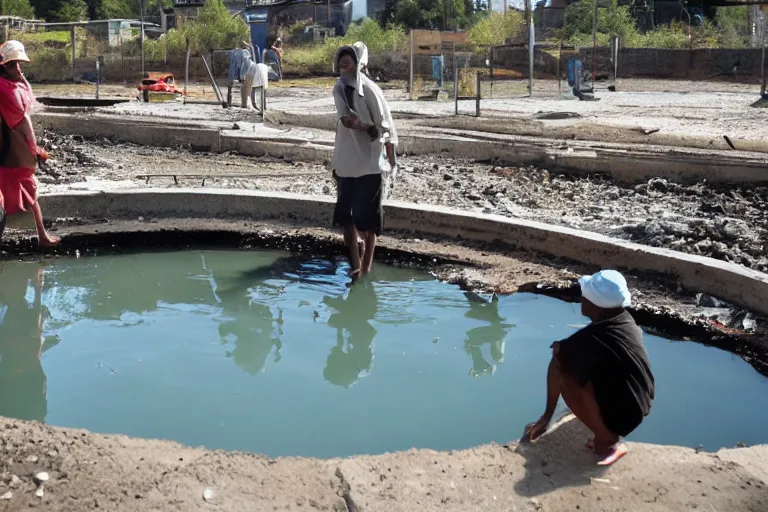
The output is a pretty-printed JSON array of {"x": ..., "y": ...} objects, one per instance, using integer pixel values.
[{"x": 730, "y": 282}]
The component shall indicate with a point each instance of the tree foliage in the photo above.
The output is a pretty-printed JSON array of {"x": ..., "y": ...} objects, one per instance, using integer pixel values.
[
  {"x": 20, "y": 8},
  {"x": 432, "y": 14},
  {"x": 71, "y": 10},
  {"x": 214, "y": 29},
  {"x": 496, "y": 29}
]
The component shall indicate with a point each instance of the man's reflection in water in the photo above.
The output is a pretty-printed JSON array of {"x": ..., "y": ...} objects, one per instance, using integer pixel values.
[
  {"x": 352, "y": 357},
  {"x": 22, "y": 380},
  {"x": 492, "y": 334},
  {"x": 251, "y": 325}
]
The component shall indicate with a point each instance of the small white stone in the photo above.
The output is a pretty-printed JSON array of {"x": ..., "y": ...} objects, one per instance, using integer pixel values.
[
  {"x": 32, "y": 458},
  {"x": 41, "y": 477},
  {"x": 141, "y": 219},
  {"x": 6, "y": 496},
  {"x": 40, "y": 493},
  {"x": 208, "y": 494},
  {"x": 15, "y": 481}
]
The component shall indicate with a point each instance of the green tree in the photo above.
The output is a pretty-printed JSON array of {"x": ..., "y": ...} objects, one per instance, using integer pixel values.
[
  {"x": 71, "y": 10},
  {"x": 496, "y": 28},
  {"x": 214, "y": 29},
  {"x": 731, "y": 27},
  {"x": 433, "y": 14},
  {"x": 614, "y": 21},
  {"x": 20, "y": 8},
  {"x": 113, "y": 9}
]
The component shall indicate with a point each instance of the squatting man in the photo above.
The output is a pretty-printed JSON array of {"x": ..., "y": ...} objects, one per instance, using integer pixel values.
[{"x": 602, "y": 371}]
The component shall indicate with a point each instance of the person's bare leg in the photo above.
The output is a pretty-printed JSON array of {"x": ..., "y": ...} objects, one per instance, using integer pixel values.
[
  {"x": 369, "y": 239},
  {"x": 351, "y": 241},
  {"x": 583, "y": 404},
  {"x": 534, "y": 430},
  {"x": 46, "y": 240}
]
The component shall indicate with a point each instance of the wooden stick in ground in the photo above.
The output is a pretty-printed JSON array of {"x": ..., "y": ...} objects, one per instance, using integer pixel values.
[{"x": 216, "y": 89}]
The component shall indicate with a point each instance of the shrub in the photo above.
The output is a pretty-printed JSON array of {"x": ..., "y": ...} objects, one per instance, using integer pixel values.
[
  {"x": 496, "y": 29},
  {"x": 49, "y": 65},
  {"x": 317, "y": 58}
]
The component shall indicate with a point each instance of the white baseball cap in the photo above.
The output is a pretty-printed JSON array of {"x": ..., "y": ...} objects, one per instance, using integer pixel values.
[
  {"x": 607, "y": 289},
  {"x": 13, "y": 50}
]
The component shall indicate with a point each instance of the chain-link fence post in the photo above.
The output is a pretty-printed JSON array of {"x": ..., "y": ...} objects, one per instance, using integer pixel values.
[{"x": 73, "y": 39}]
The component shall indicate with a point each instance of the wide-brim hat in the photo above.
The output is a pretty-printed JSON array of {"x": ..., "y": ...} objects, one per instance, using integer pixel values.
[{"x": 11, "y": 51}]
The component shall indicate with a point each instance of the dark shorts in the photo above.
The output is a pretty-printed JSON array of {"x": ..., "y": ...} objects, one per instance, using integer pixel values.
[
  {"x": 358, "y": 203},
  {"x": 620, "y": 414}
]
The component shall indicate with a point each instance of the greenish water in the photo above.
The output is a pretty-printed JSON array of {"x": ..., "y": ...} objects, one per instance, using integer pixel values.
[{"x": 256, "y": 351}]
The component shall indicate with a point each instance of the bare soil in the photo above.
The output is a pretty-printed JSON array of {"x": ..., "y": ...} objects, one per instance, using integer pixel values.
[{"x": 88, "y": 472}]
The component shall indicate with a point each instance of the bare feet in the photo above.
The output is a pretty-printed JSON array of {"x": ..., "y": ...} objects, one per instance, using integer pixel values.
[
  {"x": 534, "y": 430},
  {"x": 614, "y": 453},
  {"x": 47, "y": 240},
  {"x": 609, "y": 453}
]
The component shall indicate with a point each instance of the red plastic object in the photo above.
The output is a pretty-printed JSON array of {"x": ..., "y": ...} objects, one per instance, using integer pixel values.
[{"x": 159, "y": 82}]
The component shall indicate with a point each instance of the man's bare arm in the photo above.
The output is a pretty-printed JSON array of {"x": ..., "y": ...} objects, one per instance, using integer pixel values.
[{"x": 390, "y": 153}]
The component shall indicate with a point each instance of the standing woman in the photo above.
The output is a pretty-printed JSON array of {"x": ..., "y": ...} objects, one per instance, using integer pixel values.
[{"x": 20, "y": 154}]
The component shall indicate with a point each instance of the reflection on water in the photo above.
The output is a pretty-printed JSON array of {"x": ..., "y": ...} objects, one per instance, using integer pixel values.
[
  {"x": 22, "y": 379},
  {"x": 141, "y": 344},
  {"x": 493, "y": 334},
  {"x": 352, "y": 356}
]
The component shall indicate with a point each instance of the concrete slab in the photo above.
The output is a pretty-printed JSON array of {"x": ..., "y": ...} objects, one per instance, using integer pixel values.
[{"x": 733, "y": 283}]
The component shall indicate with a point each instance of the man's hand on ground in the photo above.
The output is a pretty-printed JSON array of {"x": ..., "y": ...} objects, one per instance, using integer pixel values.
[{"x": 534, "y": 430}]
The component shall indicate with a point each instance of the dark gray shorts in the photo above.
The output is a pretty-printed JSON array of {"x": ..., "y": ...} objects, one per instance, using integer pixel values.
[{"x": 358, "y": 203}]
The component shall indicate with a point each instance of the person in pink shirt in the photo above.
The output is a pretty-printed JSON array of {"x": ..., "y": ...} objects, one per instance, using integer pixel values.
[{"x": 20, "y": 152}]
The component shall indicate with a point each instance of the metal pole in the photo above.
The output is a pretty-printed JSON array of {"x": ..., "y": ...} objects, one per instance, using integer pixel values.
[
  {"x": 410, "y": 79},
  {"x": 762, "y": 60},
  {"x": 98, "y": 77},
  {"x": 477, "y": 95},
  {"x": 141, "y": 12},
  {"x": 329, "y": 13},
  {"x": 186, "y": 71},
  {"x": 531, "y": 44},
  {"x": 594, "y": 43},
  {"x": 559, "y": 81},
  {"x": 455, "y": 81},
  {"x": 74, "y": 51},
  {"x": 491, "y": 66},
  {"x": 615, "y": 60}
]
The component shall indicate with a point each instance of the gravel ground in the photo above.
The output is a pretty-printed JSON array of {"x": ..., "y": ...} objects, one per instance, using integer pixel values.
[{"x": 724, "y": 223}]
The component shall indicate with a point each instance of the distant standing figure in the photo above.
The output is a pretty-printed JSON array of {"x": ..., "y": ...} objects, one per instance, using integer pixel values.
[
  {"x": 601, "y": 371},
  {"x": 364, "y": 131},
  {"x": 18, "y": 186}
]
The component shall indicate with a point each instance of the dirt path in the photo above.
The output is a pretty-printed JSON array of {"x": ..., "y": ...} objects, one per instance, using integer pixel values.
[{"x": 89, "y": 472}]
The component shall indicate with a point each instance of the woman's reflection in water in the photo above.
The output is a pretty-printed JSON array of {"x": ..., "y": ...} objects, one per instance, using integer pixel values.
[
  {"x": 22, "y": 380},
  {"x": 352, "y": 357},
  {"x": 492, "y": 334}
]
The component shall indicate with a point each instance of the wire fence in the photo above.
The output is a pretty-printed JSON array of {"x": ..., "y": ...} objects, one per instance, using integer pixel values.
[{"x": 63, "y": 52}]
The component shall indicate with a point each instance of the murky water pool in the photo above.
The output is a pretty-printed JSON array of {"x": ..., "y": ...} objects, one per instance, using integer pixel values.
[{"x": 262, "y": 352}]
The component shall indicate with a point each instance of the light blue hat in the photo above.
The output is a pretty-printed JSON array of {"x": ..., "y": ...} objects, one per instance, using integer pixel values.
[{"x": 607, "y": 289}]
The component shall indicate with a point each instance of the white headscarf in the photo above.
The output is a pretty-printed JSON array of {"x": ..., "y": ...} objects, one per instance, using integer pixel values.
[{"x": 360, "y": 51}]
